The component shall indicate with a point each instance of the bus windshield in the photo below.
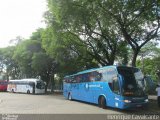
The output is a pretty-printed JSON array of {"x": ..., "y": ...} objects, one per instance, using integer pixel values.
[
  {"x": 40, "y": 85},
  {"x": 130, "y": 84}
]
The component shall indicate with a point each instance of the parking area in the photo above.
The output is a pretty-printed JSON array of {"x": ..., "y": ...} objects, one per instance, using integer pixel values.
[{"x": 15, "y": 103}]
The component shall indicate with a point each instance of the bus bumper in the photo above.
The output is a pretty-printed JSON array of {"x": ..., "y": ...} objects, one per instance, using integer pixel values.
[{"x": 134, "y": 105}]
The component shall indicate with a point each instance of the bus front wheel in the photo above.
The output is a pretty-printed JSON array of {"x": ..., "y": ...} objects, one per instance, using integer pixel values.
[
  {"x": 102, "y": 102},
  {"x": 69, "y": 96}
]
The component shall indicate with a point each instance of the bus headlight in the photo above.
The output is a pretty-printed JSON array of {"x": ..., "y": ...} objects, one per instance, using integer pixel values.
[
  {"x": 127, "y": 101},
  {"x": 146, "y": 100}
]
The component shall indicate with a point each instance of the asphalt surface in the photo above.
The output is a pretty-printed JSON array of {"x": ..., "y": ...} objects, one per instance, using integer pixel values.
[
  {"x": 55, "y": 104},
  {"x": 45, "y": 104}
]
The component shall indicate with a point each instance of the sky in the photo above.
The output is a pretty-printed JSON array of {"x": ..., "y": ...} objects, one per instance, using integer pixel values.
[{"x": 20, "y": 18}]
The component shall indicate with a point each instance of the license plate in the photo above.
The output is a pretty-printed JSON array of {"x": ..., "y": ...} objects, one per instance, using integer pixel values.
[{"x": 139, "y": 105}]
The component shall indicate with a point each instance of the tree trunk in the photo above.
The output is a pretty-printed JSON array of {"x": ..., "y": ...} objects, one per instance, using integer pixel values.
[
  {"x": 7, "y": 76},
  {"x": 112, "y": 58},
  {"x": 46, "y": 86},
  {"x": 135, "y": 54},
  {"x": 52, "y": 84},
  {"x": 46, "y": 78},
  {"x": 158, "y": 74}
]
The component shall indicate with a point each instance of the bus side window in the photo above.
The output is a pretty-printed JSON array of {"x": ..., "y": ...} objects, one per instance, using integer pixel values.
[
  {"x": 115, "y": 86},
  {"x": 94, "y": 76},
  {"x": 85, "y": 77},
  {"x": 73, "y": 80},
  {"x": 78, "y": 78},
  {"x": 91, "y": 77},
  {"x": 98, "y": 76},
  {"x": 111, "y": 75},
  {"x": 65, "y": 80}
]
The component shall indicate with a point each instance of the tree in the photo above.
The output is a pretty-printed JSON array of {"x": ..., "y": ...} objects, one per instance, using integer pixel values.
[
  {"x": 137, "y": 21},
  {"x": 150, "y": 61},
  {"x": 33, "y": 60},
  {"x": 37, "y": 35},
  {"x": 70, "y": 54},
  {"x": 7, "y": 63},
  {"x": 84, "y": 21},
  {"x": 16, "y": 41},
  {"x": 1, "y": 61},
  {"x": 103, "y": 25},
  {"x": 23, "y": 56},
  {"x": 44, "y": 66}
]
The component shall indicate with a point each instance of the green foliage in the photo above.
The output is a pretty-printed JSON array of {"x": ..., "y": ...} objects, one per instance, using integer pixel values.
[
  {"x": 102, "y": 25},
  {"x": 7, "y": 63},
  {"x": 37, "y": 35},
  {"x": 69, "y": 53},
  {"x": 150, "y": 65},
  {"x": 83, "y": 34},
  {"x": 83, "y": 24},
  {"x": 23, "y": 56}
]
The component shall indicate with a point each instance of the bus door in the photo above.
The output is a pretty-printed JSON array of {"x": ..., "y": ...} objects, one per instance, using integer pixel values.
[
  {"x": 113, "y": 95},
  {"x": 117, "y": 92},
  {"x": 32, "y": 86}
]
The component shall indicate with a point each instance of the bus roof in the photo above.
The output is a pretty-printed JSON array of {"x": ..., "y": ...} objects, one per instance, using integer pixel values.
[
  {"x": 29, "y": 80},
  {"x": 100, "y": 68},
  {"x": 91, "y": 70}
]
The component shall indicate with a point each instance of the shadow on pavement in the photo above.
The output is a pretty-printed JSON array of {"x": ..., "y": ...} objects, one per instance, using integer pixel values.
[{"x": 152, "y": 108}]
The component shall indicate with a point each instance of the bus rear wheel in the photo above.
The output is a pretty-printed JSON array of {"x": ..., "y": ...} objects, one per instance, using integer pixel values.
[
  {"x": 102, "y": 102},
  {"x": 28, "y": 92},
  {"x": 12, "y": 90}
]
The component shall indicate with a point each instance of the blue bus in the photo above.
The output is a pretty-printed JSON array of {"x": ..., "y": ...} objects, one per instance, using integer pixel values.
[{"x": 113, "y": 86}]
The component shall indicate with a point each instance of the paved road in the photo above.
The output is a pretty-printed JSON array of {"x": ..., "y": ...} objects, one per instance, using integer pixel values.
[{"x": 54, "y": 104}]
